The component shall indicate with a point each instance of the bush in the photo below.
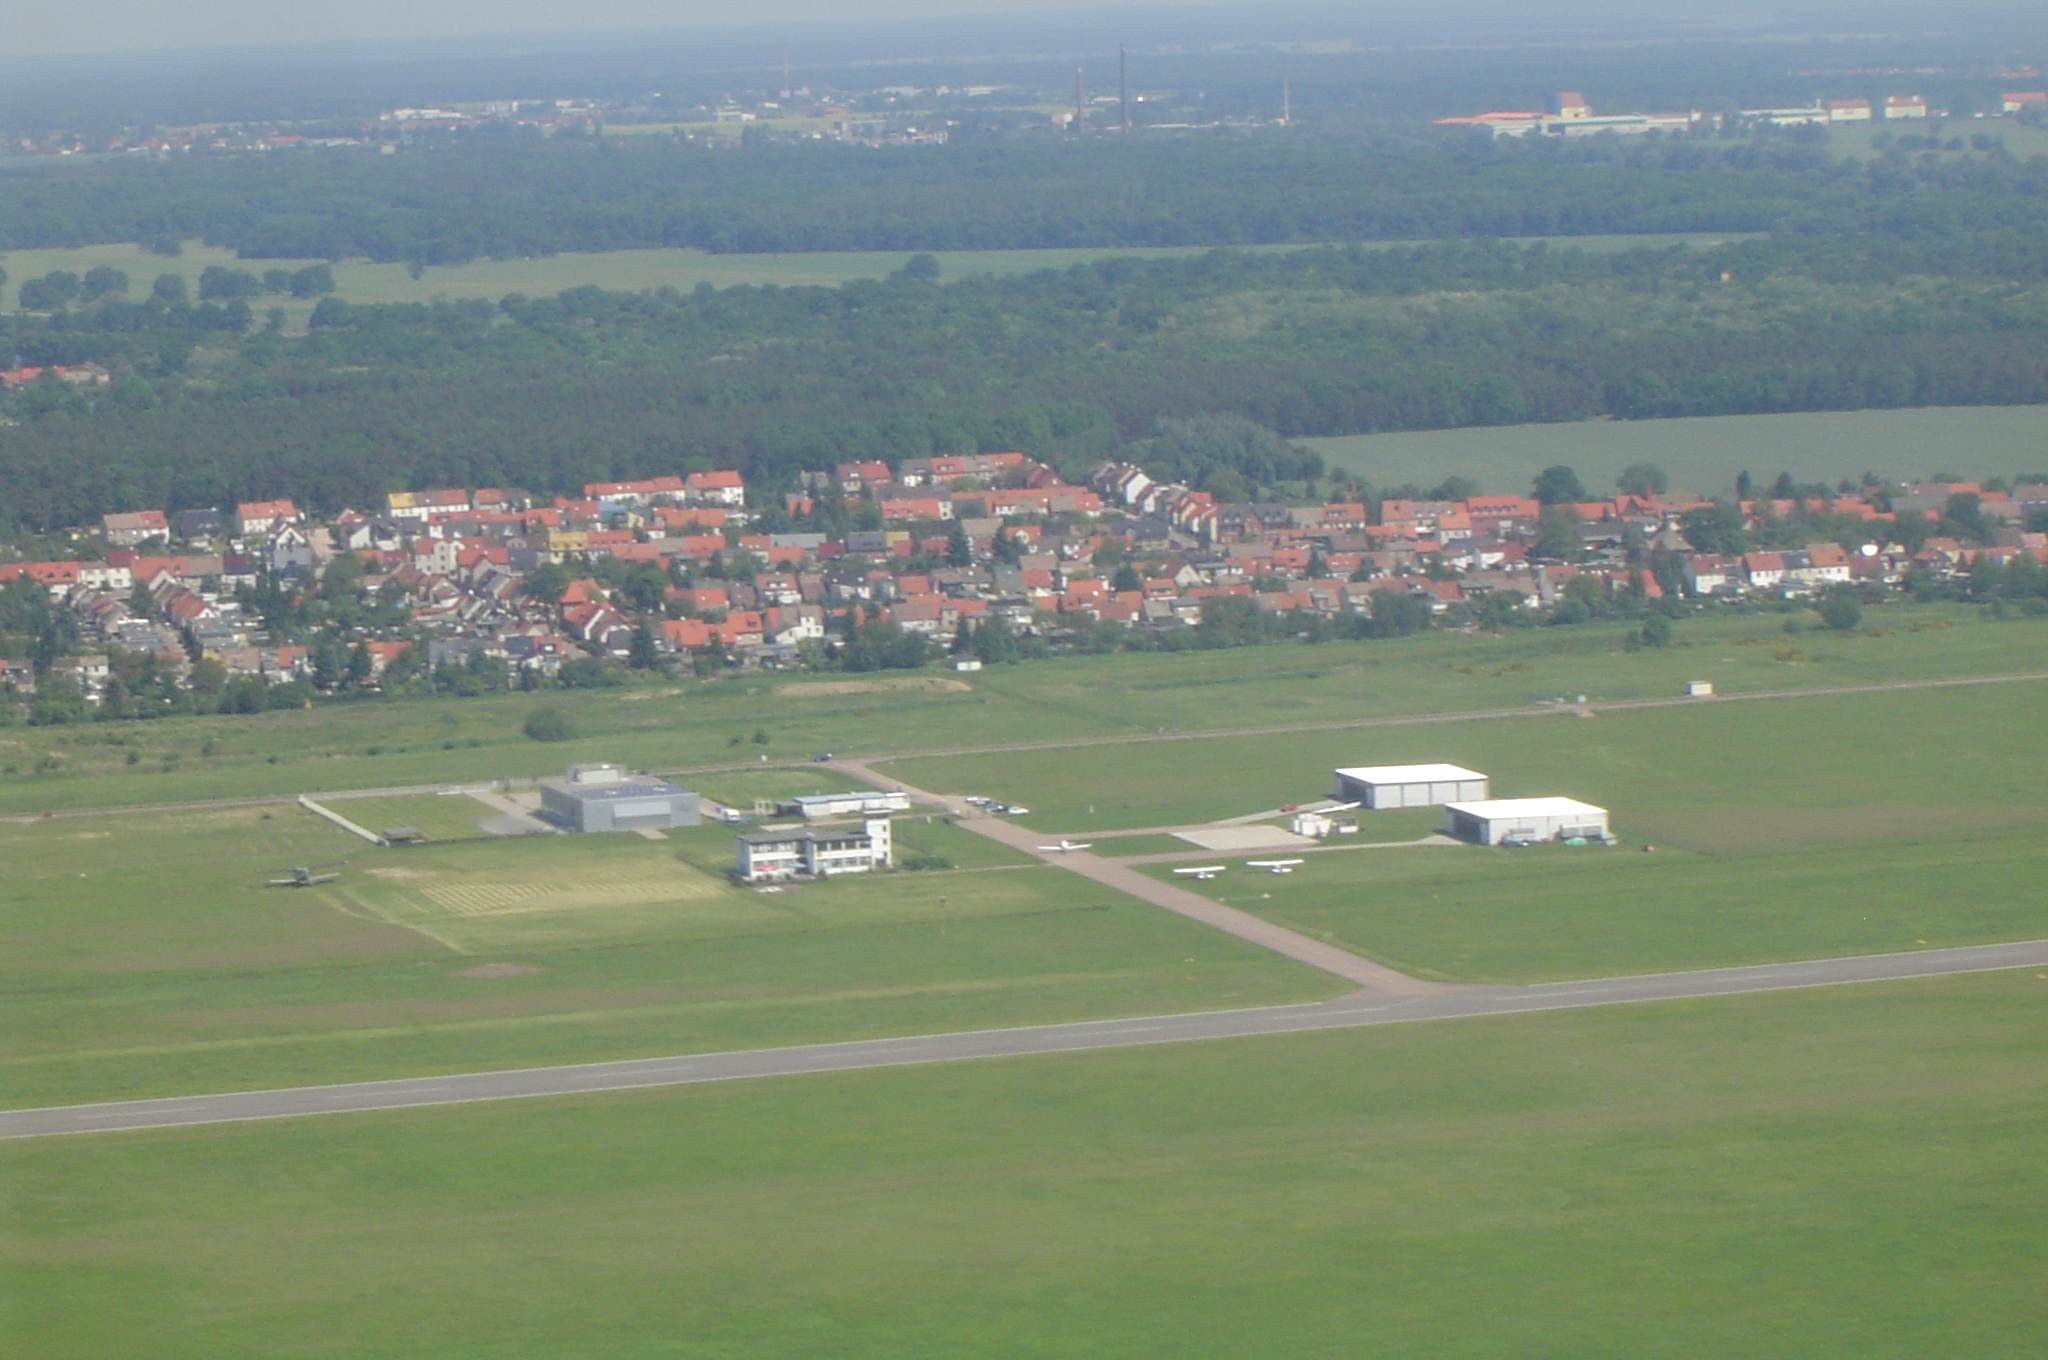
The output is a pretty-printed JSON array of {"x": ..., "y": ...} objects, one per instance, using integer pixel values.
[
  {"x": 1841, "y": 611},
  {"x": 547, "y": 724}
]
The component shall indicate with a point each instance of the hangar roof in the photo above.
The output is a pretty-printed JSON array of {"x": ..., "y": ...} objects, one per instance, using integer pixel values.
[
  {"x": 1410, "y": 774},
  {"x": 1501, "y": 809}
]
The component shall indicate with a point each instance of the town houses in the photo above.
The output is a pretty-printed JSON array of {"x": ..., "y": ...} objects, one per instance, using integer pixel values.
[{"x": 977, "y": 553}]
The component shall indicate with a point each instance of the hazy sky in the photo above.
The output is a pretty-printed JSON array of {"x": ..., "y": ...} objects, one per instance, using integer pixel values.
[{"x": 130, "y": 25}]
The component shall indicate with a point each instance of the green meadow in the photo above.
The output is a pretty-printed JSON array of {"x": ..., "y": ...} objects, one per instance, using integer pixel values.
[
  {"x": 1787, "y": 828},
  {"x": 708, "y": 728},
  {"x": 147, "y": 954},
  {"x": 1704, "y": 454},
  {"x": 632, "y": 270},
  {"x": 1843, "y": 1171}
]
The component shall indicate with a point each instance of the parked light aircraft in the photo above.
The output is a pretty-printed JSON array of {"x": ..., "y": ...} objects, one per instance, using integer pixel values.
[
  {"x": 1273, "y": 866},
  {"x": 1206, "y": 871},
  {"x": 1066, "y": 845}
]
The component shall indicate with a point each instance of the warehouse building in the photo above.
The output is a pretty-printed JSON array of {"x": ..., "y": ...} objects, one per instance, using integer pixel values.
[
  {"x": 606, "y": 798},
  {"x": 819, "y": 807},
  {"x": 813, "y": 852},
  {"x": 1523, "y": 821},
  {"x": 1397, "y": 786}
]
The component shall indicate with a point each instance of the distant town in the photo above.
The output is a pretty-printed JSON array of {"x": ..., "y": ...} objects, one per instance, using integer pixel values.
[{"x": 961, "y": 560}]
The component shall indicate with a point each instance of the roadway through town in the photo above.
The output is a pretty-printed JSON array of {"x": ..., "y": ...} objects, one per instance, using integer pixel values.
[{"x": 1348, "y": 1012}]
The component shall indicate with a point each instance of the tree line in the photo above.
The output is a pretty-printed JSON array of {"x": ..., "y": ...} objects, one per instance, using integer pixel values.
[{"x": 1195, "y": 365}]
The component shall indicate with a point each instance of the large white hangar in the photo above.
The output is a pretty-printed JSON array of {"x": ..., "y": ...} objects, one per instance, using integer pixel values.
[
  {"x": 1397, "y": 786},
  {"x": 1498, "y": 821}
]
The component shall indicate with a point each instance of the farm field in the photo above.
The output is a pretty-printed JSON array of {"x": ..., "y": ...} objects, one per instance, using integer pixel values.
[
  {"x": 1858, "y": 139},
  {"x": 1704, "y": 453},
  {"x": 629, "y": 270},
  {"x": 436, "y": 742},
  {"x": 145, "y": 955},
  {"x": 1844, "y": 1171}
]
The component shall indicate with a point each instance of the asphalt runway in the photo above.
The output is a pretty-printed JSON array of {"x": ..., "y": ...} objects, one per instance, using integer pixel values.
[{"x": 1356, "y": 1010}]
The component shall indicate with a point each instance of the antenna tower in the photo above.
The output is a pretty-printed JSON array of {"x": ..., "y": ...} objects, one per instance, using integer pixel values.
[
  {"x": 1080, "y": 101},
  {"x": 1286, "y": 97},
  {"x": 1123, "y": 85}
]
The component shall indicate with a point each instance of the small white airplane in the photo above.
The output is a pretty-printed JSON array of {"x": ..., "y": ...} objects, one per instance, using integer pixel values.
[
  {"x": 1204, "y": 872},
  {"x": 1273, "y": 866},
  {"x": 1065, "y": 845}
]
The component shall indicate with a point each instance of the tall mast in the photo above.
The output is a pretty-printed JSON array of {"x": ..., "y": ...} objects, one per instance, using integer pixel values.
[{"x": 1123, "y": 85}]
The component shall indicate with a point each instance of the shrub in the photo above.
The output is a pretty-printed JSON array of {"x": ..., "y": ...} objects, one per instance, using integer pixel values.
[{"x": 547, "y": 724}]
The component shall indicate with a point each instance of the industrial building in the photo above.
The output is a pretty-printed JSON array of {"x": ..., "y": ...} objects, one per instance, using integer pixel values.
[
  {"x": 1522, "y": 821},
  {"x": 819, "y": 807},
  {"x": 607, "y": 798},
  {"x": 813, "y": 852},
  {"x": 1396, "y": 786}
]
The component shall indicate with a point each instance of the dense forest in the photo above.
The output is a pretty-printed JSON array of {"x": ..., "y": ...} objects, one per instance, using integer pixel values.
[
  {"x": 1073, "y": 365},
  {"x": 503, "y": 194}
]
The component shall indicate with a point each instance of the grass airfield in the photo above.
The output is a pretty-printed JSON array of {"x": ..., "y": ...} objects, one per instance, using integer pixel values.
[
  {"x": 1846, "y": 1170},
  {"x": 144, "y": 954},
  {"x": 709, "y": 726},
  {"x": 1843, "y": 1171}
]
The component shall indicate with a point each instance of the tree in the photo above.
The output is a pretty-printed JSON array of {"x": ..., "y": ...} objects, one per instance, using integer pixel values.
[
  {"x": 1557, "y": 535},
  {"x": 641, "y": 654},
  {"x": 1841, "y": 609},
  {"x": 1656, "y": 631},
  {"x": 1744, "y": 486},
  {"x": 546, "y": 724},
  {"x": 1642, "y": 479},
  {"x": 312, "y": 281},
  {"x": 546, "y": 582},
  {"x": 168, "y": 289},
  {"x": 1559, "y": 485},
  {"x": 101, "y": 280},
  {"x": 1126, "y": 578},
  {"x": 959, "y": 550},
  {"x": 922, "y": 268},
  {"x": 1715, "y": 528},
  {"x": 1398, "y": 613}
]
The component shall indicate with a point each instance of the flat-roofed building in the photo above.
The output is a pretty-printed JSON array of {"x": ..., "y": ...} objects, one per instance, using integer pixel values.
[
  {"x": 1395, "y": 786},
  {"x": 607, "y": 798},
  {"x": 813, "y": 851},
  {"x": 1499, "y": 821},
  {"x": 821, "y": 807}
]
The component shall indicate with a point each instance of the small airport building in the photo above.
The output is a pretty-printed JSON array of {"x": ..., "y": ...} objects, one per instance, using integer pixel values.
[
  {"x": 822, "y": 807},
  {"x": 813, "y": 851},
  {"x": 607, "y": 798},
  {"x": 1501, "y": 821},
  {"x": 1398, "y": 786}
]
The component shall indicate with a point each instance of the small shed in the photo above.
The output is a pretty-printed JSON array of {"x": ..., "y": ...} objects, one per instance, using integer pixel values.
[
  {"x": 1398, "y": 786},
  {"x": 1523, "y": 820},
  {"x": 1699, "y": 689}
]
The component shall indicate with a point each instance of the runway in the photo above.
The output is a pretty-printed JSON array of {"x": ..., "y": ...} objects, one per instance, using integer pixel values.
[{"x": 1347, "y": 1012}]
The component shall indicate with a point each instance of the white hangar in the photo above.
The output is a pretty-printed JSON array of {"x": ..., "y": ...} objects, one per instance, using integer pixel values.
[
  {"x": 1524, "y": 820},
  {"x": 1397, "y": 786}
]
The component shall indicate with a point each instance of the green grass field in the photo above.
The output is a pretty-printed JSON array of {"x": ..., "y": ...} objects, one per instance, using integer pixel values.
[
  {"x": 1786, "y": 829},
  {"x": 440, "y": 742},
  {"x": 438, "y": 817},
  {"x": 1840, "y": 1172},
  {"x": 145, "y": 953},
  {"x": 1704, "y": 453},
  {"x": 628, "y": 270}
]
